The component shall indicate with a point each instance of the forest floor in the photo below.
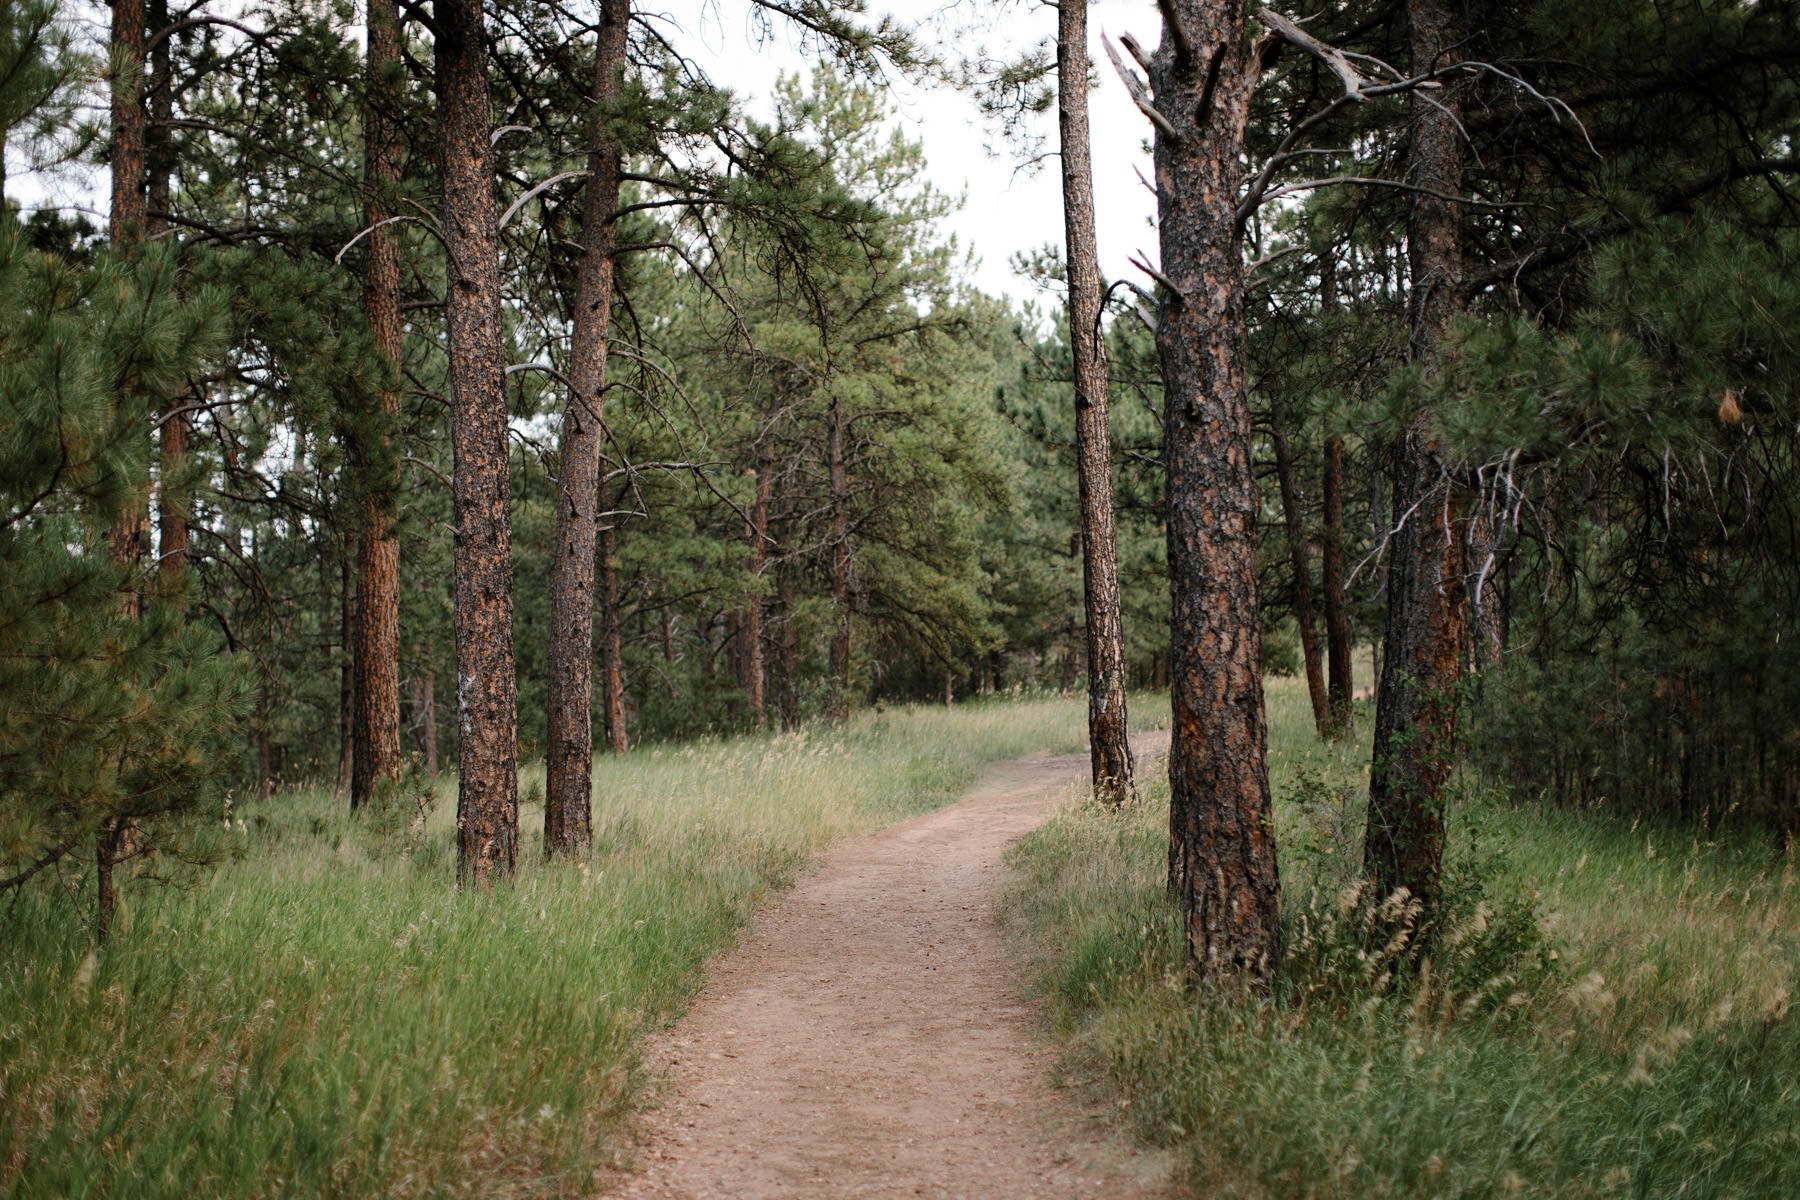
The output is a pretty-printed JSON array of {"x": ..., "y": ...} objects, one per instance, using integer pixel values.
[{"x": 869, "y": 1038}]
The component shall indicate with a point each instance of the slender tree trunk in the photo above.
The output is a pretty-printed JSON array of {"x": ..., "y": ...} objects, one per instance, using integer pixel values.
[
  {"x": 1109, "y": 740},
  {"x": 1222, "y": 842},
  {"x": 1338, "y": 648},
  {"x": 171, "y": 494},
  {"x": 1415, "y": 706},
  {"x": 837, "y": 706},
  {"x": 787, "y": 650},
  {"x": 755, "y": 684},
  {"x": 346, "y": 675},
  {"x": 377, "y": 738},
  {"x": 568, "y": 792},
  {"x": 1338, "y": 652},
  {"x": 109, "y": 846},
  {"x": 668, "y": 647},
  {"x": 424, "y": 690},
  {"x": 265, "y": 750},
  {"x": 612, "y": 641},
  {"x": 1483, "y": 584},
  {"x": 130, "y": 214},
  {"x": 128, "y": 221},
  {"x": 487, "y": 804},
  {"x": 1303, "y": 598},
  {"x": 703, "y": 634},
  {"x": 734, "y": 660}
]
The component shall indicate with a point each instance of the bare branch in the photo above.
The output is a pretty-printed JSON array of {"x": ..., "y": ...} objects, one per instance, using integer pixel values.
[
  {"x": 1138, "y": 261},
  {"x": 1331, "y": 56},
  {"x": 1184, "y": 45},
  {"x": 1307, "y": 185},
  {"x": 1139, "y": 90},
  {"x": 338, "y": 258},
  {"x": 539, "y": 190}
]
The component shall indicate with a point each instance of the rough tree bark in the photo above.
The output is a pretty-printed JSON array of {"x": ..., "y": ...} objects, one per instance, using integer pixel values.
[
  {"x": 128, "y": 156},
  {"x": 1415, "y": 704},
  {"x": 1222, "y": 846},
  {"x": 128, "y": 221},
  {"x": 1303, "y": 597},
  {"x": 377, "y": 708},
  {"x": 487, "y": 802},
  {"x": 568, "y": 789},
  {"x": 1109, "y": 742}
]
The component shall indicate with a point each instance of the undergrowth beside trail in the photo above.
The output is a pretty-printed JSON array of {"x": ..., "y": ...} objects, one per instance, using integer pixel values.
[
  {"x": 1608, "y": 1009},
  {"x": 320, "y": 1014}
]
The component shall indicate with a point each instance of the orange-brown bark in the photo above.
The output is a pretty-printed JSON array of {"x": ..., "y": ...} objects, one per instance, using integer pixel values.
[
  {"x": 1416, "y": 702},
  {"x": 1222, "y": 846},
  {"x": 487, "y": 804},
  {"x": 376, "y": 710},
  {"x": 568, "y": 792}
]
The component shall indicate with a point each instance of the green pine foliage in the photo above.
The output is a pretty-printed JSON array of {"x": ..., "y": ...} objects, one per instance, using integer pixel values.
[{"x": 108, "y": 716}]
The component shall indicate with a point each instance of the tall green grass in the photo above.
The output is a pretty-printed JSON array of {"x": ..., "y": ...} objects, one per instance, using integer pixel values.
[
  {"x": 1612, "y": 1013},
  {"x": 321, "y": 1014}
]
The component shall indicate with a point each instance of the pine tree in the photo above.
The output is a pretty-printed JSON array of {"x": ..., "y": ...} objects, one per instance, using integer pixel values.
[
  {"x": 569, "y": 741},
  {"x": 114, "y": 715},
  {"x": 1222, "y": 840},
  {"x": 1109, "y": 727},
  {"x": 487, "y": 813}
]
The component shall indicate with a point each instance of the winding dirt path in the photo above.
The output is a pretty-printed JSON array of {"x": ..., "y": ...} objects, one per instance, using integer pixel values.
[{"x": 868, "y": 1038}]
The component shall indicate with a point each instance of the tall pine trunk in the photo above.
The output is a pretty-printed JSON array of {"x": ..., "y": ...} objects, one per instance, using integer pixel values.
[
  {"x": 171, "y": 494},
  {"x": 1415, "y": 705},
  {"x": 377, "y": 707},
  {"x": 568, "y": 790},
  {"x": 487, "y": 802},
  {"x": 1303, "y": 598},
  {"x": 129, "y": 151},
  {"x": 1109, "y": 742},
  {"x": 128, "y": 221},
  {"x": 1222, "y": 844}
]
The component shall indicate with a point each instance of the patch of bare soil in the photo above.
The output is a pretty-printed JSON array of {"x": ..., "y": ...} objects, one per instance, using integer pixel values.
[{"x": 869, "y": 1039}]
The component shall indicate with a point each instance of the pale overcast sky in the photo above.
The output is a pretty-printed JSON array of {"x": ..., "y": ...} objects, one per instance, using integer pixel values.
[{"x": 1006, "y": 210}]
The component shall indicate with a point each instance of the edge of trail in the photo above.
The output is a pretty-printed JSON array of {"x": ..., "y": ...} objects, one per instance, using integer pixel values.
[{"x": 869, "y": 1036}]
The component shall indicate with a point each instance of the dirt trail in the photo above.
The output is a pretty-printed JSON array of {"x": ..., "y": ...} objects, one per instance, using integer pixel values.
[{"x": 868, "y": 1038}]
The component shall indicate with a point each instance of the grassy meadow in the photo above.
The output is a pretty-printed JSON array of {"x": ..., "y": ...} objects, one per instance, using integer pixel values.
[
  {"x": 1610, "y": 1013},
  {"x": 318, "y": 1013}
]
